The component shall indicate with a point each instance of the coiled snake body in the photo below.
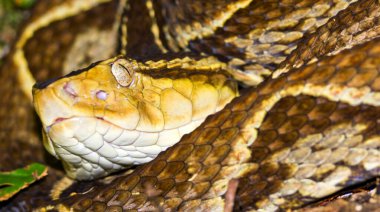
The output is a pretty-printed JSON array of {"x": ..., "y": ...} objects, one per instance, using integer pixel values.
[{"x": 307, "y": 127}]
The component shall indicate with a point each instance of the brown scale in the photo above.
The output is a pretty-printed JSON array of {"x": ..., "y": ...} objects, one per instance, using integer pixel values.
[
  {"x": 54, "y": 41},
  {"x": 263, "y": 49},
  {"x": 269, "y": 177},
  {"x": 16, "y": 128},
  {"x": 209, "y": 153},
  {"x": 138, "y": 45},
  {"x": 357, "y": 24},
  {"x": 179, "y": 16},
  {"x": 166, "y": 182},
  {"x": 43, "y": 6}
]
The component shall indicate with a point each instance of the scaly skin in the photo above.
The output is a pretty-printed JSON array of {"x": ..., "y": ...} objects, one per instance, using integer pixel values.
[
  {"x": 359, "y": 23},
  {"x": 231, "y": 43},
  {"x": 290, "y": 141},
  {"x": 255, "y": 39}
]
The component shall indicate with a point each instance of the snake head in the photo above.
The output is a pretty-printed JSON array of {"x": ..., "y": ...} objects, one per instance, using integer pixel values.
[
  {"x": 112, "y": 115},
  {"x": 79, "y": 109}
]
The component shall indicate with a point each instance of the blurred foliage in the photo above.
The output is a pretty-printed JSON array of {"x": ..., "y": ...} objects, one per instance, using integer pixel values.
[
  {"x": 24, "y": 3},
  {"x": 12, "y": 12}
]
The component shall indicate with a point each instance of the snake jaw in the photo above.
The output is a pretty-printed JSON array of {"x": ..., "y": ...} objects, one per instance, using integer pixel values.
[{"x": 92, "y": 147}]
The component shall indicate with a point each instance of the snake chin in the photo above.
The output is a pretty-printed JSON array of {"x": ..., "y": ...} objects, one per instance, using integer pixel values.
[
  {"x": 47, "y": 142},
  {"x": 92, "y": 147}
]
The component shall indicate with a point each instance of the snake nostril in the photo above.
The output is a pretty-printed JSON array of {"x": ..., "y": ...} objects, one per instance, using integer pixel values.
[
  {"x": 102, "y": 95},
  {"x": 70, "y": 90}
]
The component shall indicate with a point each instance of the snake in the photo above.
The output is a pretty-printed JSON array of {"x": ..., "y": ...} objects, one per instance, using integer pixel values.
[{"x": 303, "y": 126}]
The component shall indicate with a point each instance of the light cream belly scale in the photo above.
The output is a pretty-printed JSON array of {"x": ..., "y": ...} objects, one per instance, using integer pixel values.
[{"x": 94, "y": 148}]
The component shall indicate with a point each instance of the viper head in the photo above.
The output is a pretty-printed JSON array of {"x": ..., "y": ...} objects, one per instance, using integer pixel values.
[{"x": 112, "y": 114}]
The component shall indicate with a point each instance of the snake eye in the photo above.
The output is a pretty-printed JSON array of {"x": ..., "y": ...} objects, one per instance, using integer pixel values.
[{"x": 123, "y": 72}]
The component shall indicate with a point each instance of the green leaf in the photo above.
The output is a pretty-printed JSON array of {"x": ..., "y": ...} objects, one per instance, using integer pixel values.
[
  {"x": 13, "y": 181},
  {"x": 24, "y": 3}
]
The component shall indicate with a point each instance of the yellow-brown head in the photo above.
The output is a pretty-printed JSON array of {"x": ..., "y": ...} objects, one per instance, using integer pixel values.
[{"x": 114, "y": 113}]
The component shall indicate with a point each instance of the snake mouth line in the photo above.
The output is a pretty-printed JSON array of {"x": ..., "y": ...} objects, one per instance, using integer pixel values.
[{"x": 62, "y": 119}]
